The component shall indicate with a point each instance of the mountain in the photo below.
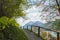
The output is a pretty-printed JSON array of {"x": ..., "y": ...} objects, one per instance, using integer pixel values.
[
  {"x": 38, "y": 23},
  {"x": 28, "y": 24}
]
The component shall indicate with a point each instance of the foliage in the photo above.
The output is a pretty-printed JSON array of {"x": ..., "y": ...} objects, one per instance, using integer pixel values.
[
  {"x": 52, "y": 4},
  {"x": 9, "y": 30},
  {"x": 11, "y": 8},
  {"x": 57, "y": 24},
  {"x": 4, "y": 21},
  {"x": 50, "y": 9},
  {"x": 43, "y": 34}
]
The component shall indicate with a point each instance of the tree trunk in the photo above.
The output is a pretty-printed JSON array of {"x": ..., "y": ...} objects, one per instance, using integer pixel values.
[{"x": 58, "y": 6}]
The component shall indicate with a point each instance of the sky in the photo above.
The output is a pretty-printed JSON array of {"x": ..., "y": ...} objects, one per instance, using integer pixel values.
[{"x": 33, "y": 13}]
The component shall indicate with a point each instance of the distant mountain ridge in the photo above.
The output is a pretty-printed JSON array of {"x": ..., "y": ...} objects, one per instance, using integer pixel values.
[{"x": 36, "y": 23}]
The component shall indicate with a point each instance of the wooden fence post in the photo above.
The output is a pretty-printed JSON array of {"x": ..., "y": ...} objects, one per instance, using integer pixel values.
[
  {"x": 27, "y": 27},
  {"x": 23, "y": 27},
  {"x": 38, "y": 31},
  {"x": 57, "y": 35},
  {"x": 31, "y": 28}
]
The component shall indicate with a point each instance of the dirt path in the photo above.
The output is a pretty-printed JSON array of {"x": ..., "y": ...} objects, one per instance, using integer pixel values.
[{"x": 31, "y": 36}]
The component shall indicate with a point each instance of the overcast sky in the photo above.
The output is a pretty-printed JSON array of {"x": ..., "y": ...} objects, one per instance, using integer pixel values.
[{"x": 34, "y": 13}]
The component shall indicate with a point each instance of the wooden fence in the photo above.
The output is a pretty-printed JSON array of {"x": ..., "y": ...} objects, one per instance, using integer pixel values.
[{"x": 57, "y": 32}]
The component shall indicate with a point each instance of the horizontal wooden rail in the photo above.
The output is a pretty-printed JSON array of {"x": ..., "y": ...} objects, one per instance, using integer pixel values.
[{"x": 47, "y": 29}]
